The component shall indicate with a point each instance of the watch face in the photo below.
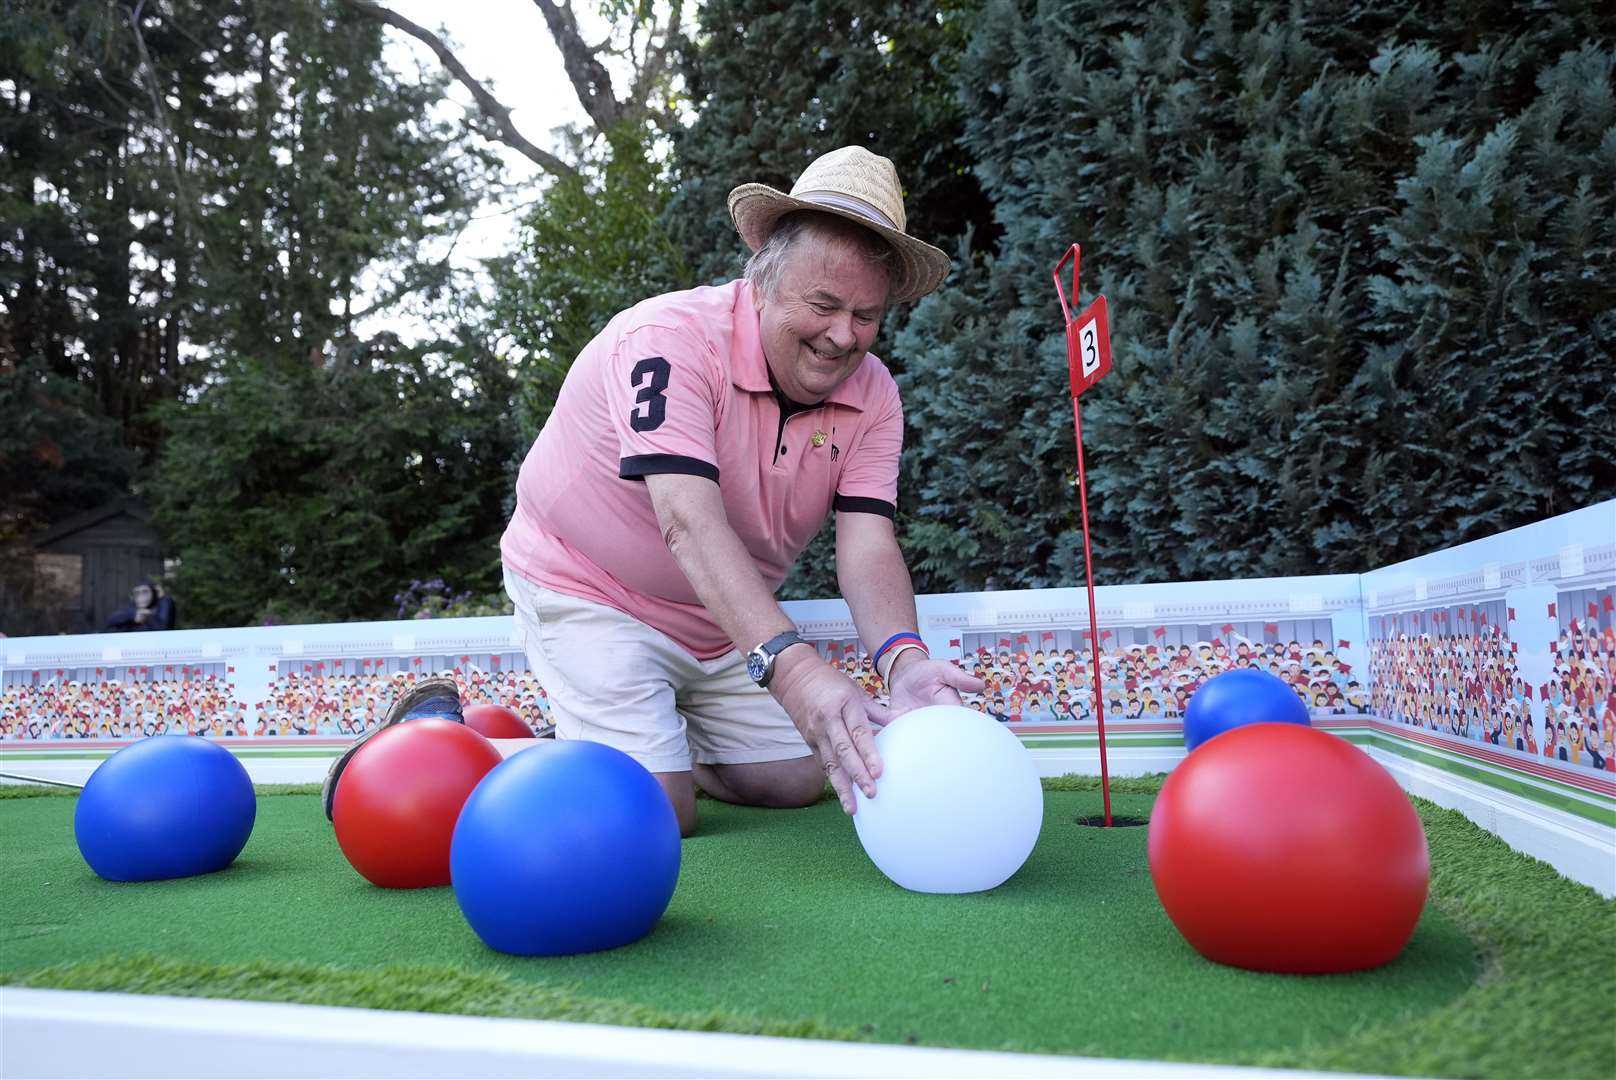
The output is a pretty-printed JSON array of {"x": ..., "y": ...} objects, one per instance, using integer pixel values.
[{"x": 755, "y": 666}]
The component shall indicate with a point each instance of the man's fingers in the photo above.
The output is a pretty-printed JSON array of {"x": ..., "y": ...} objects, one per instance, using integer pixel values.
[
  {"x": 850, "y": 756},
  {"x": 838, "y": 780},
  {"x": 864, "y": 743},
  {"x": 960, "y": 679}
]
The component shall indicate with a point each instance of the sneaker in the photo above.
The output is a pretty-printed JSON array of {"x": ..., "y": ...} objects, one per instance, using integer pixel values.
[{"x": 435, "y": 697}]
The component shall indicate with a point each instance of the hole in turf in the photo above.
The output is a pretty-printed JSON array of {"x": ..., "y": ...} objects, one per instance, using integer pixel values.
[{"x": 1118, "y": 821}]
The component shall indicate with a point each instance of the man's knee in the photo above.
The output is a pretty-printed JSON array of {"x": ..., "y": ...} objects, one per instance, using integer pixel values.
[
  {"x": 681, "y": 792},
  {"x": 781, "y": 785},
  {"x": 802, "y": 784}
]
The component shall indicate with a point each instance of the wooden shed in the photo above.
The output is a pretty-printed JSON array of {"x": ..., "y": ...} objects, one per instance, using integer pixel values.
[{"x": 93, "y": 559}]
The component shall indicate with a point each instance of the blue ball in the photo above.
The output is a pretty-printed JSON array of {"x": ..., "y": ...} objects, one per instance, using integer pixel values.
[
  {"x": 165, "y": 807},
  {"x": 1237, "y": 698},
  {"x": 567, "y": 848}
]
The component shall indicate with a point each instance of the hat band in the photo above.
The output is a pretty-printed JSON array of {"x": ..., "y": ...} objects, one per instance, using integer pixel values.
[{"x": 849, "y": 203}]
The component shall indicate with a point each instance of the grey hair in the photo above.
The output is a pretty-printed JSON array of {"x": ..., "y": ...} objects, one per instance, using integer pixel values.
[{"x": 768, "y": 262}]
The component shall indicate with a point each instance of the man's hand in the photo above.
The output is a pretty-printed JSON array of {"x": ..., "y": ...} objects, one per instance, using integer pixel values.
[
  {"x": 918, "y": 680},
  {"x": 835, "y": 718}
]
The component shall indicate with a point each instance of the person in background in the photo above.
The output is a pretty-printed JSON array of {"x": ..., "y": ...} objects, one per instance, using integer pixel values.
[{"x": 148, "y": 609}]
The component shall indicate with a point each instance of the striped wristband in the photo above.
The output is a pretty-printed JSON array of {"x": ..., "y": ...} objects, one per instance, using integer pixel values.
[{"x": 887, "y": 654}]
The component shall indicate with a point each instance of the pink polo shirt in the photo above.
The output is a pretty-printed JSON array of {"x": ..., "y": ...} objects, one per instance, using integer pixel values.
[{"x": 678, "y": 384}]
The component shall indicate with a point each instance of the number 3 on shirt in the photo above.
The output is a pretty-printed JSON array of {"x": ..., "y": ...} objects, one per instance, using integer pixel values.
[{"x": 650, "y": 406}]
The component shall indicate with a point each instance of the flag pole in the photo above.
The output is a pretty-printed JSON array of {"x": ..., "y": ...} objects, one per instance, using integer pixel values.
[
  {"x": 1087, "y": 368},
  {"x": 1094, "y": 630}
]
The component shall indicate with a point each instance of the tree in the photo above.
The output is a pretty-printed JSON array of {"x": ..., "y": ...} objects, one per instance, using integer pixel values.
[
  {"x": 1360, "y": 268},
  {"x": 305, "y": 493},
  {"x": 185, "y": 184}
]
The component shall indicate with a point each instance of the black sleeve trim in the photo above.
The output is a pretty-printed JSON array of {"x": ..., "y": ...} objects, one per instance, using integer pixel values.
[
  {"x": 848, "y": 504},
  {"x": 640, "y": 466}
]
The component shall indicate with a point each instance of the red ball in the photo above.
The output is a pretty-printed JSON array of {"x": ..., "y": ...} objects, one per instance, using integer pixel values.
[
  {"x": 1279, "y": 847},
  {"x": 398, "y": 799},
  {"x": 496, "y": 722}
]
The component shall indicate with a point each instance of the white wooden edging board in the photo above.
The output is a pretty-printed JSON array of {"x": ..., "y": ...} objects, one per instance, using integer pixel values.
[{"x": 62, "y": 1033}]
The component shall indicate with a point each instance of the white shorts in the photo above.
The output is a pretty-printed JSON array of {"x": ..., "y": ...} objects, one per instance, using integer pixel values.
[{"x": 612, "y": 679}]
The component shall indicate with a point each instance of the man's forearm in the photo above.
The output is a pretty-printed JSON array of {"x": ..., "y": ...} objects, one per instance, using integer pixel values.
[
  {"x": 717, "y": 564},
  {"x": 874, "y": 580}
]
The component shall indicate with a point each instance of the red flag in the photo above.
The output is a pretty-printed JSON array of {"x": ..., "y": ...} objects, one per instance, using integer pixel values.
[
  {"x": 272, "y": 667},
  {"x": 1511, "y": 614},
  {"x": 1270, "y": 628},
  {"x": 1483, "y": 616},
  {"x": 1084, "y": 634},
  {"x": 1553, "y": 614},
  {"x": 465, "y": 659},
  {"x": 1514, "y": 646},
  {"x": 849, "y": 647},
  {"x": 36, "y": 674},
  {"x": 953, "y": 643},
  {"x": 1049, "y": 635},
  {"x": 229, "y": 670},
  {"x": 1528, "y": 691},
  {"x": 1227, "y": 628},
  {"x": 1217, "y": 643},
  {"x": 98, "y": 671},
  {"x": 1021, "y": 639},
  {"x": 1345, "y": 669},
  {"x": 1543, "y": 691},
  {"x": 319, "y": 665},
  {"x": 1609, "y": 602},
  {"x": 1104, "y": 634},
  {"x": 1160, "y": 631},
  {"x": 416, "y": 661},
  {"x": 1343, "y": 644},
  {"x": 1593, "y": 610},
  {"x": 170, "y": 667},
  {"x": 1004, "y": 642},
  {"x": 306, "y": 667},
  {"x": 494, "y": 660}
]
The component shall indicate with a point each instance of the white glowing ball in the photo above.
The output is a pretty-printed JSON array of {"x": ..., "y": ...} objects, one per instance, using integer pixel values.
[{"x": 958, "y": 805}]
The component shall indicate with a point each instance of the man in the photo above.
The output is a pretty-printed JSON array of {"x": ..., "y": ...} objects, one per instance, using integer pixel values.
[
  {"x": 148, "y": 609},
  {"x": 697, "y": 445}
]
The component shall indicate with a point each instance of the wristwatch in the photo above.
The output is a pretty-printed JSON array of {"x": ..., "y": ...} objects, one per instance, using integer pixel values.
[{"x": 760, "y": 661}]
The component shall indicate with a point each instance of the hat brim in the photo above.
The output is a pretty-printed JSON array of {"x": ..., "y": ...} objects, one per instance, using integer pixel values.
[{"x": 755, "y": 208}]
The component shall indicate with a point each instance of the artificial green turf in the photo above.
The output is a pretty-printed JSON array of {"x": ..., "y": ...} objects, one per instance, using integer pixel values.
[{"x": 780, "y": 924}]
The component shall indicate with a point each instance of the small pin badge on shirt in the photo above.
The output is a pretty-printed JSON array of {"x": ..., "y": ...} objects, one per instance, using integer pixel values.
[{"x": 819, "y": 438}]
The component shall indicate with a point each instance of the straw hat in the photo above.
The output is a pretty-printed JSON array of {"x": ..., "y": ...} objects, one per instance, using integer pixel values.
[{"x": 855, "y": 184}]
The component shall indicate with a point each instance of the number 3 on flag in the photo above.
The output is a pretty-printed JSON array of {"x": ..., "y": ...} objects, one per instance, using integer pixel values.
[{"x": 1088, "y": 346}]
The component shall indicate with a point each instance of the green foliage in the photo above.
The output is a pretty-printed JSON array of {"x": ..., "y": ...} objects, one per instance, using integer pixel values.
[
  {"x": 436, "y": 599},
  {"x": 298, "y": 493},
  {"x": 592, "y": 246},
  {"x": 1362, "y": 276}
]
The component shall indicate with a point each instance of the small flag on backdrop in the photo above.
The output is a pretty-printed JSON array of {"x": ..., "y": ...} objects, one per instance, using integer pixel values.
[
  {"x": 953, "y": 643},
  {"x": 1227, "y": 628},
  {"x": 1270, "y": 628},
  {"x": 1343, "y": 644},
  {"x": 1021, "y": 639},
  {"x": 1160, "y": 631},
  {"x": 1553, "y": 612},
  {"x": 1049, "y": 635},
  {"x": 1511, "y": 614}
]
